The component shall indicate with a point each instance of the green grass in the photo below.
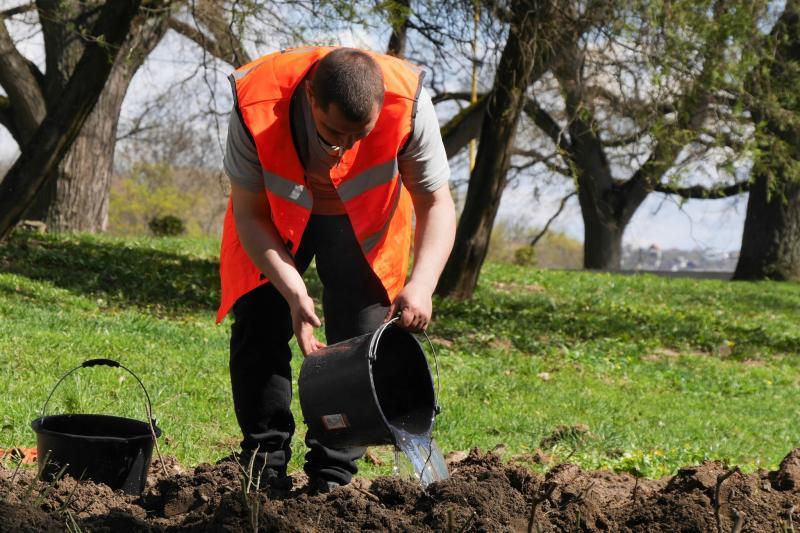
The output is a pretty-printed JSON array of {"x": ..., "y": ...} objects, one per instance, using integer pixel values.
[{"x": 664, "y": 372}]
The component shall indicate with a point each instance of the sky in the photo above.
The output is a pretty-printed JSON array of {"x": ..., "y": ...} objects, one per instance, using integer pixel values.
[{"x": 714, "y": 225}]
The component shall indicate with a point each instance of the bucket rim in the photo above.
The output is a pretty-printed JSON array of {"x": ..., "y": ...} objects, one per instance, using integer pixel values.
[
  {"x": 372, "y": 357},
  {"x": 36, "y": 425}
]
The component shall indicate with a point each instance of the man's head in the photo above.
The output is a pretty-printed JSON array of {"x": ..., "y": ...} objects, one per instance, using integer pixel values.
[{"x": 346, "y": 95}]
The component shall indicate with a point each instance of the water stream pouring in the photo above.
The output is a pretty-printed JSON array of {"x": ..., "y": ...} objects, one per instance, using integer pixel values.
[
  {"x": 371, "y": 390},
  {"x": 105, "y": 449}
]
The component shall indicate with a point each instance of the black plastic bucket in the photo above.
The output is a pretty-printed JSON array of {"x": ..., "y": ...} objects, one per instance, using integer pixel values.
[
  {"x": 352, "y": 393},
  {"x": 102, "y": 448}
]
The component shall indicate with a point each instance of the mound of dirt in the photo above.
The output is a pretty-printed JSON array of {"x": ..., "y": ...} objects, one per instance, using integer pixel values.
[{"x": 483, "y": 494}]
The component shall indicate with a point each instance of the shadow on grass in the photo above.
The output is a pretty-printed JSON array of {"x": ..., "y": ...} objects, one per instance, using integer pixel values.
[
  {"x": 527, "y": 321},
  {"x": 120, "y": 273}
]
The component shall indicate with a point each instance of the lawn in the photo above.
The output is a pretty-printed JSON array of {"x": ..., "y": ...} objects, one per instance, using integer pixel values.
[{"x": 636, "y": 373}]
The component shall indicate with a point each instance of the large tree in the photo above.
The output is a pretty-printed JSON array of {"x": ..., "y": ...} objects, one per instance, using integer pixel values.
[
  {"x": 638, "y": 102},
  {"x": 53, "y": 133},
  {"x": 75, "y": 196},
  {"x": 771, "y": 238},
  {"x": 536, "y": 30}
]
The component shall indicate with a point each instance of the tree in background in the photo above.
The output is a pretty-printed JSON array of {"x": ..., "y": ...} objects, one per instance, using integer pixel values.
[
  {"x": 771, "y": 238},
  {"x": 52, "y": 126},
  {"x": 634, "y": 106},
  {"x": 75, "y": 194},
  {"x": 536, "y": 31}
]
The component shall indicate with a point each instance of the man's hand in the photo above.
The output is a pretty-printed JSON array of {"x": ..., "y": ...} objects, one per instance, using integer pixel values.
[
  {"x": 267, "y": 250},
  {"x": 415, "y": 305},
  {"x": 304, "y": 320},
  {"x": 433, "y": 240}
]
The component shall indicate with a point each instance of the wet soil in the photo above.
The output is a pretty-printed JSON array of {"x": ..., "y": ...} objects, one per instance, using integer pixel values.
[{"x": 482, "y": 495}]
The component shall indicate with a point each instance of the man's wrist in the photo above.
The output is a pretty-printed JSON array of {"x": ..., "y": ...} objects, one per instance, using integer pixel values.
[
  {"x": 423, "y": 283},
  {"x": 293, "y": 292}
]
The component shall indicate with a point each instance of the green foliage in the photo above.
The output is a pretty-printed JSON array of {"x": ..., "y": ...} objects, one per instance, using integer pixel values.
[
  {"x": 652, "y": 373},
  {"x": 510, "y": 243},
  {"x": 166, "y": 226},
  {"x": 156, "y": 190},
  {"x": 525, "y": 256},
  {"x": 773, "y": 102}
]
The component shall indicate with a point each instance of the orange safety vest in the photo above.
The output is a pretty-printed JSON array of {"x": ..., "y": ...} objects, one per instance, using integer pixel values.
[{"x": 366, "y": 178}]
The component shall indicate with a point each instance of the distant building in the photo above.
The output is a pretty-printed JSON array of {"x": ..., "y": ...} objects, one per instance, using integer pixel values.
[{"x": 653, "y": 257}]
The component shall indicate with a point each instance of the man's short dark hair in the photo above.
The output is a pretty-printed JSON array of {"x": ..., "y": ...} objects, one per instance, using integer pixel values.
[{"x": 351, "y": 79}]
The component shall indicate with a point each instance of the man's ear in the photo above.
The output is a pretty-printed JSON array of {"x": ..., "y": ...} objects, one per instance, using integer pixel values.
[{"x": 310, "y": 92}]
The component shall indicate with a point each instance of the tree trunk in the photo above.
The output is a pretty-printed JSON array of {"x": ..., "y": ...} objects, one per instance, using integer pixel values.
[
  {"x": 63, "y": 122},
  {"x": 771, "y": 238},
  {"x": 76, "y": 198},
  {"x": 76, "y": 195},
  {"x": 602, "y": 241},
  {"x": 525, "y": 57},
  {"x": 399, "y": 12},
  {"x": 606, "y": 211}
]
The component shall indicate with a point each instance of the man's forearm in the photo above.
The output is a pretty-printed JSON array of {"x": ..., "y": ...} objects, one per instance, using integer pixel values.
[
  {"x": 264, "y": 246},
  {"x": 271, "y": 257},
  {"x": 433, "y": 236}
]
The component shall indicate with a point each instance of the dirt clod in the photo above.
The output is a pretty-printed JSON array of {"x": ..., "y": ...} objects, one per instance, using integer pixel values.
[
  {"x": 788, "y": 475},
  {"x": 483, "y": 494}
]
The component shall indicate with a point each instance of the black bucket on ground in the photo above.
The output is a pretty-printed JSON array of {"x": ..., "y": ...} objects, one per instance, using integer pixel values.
[
  {"x": 101, "y": 448},
  {"x": 352, "y": 392}
]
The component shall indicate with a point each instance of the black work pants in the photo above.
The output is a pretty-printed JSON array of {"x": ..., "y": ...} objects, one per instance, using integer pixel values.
[{"x": 354, "y": 303}]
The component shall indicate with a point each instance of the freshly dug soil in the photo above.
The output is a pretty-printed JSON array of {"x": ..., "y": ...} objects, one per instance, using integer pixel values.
[{"x": 482, "y": 495}]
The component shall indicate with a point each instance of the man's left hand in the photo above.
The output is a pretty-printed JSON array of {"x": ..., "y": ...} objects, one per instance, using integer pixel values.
[{"x": 415, "y": 305}]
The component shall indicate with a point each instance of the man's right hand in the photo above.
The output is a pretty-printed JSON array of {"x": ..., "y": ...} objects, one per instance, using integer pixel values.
[
  {"x": 304, "y": 320},
  {"x": 267, "y": 250}
]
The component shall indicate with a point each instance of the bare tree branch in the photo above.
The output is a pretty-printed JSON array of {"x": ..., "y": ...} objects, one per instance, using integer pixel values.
[
  {"x": 627, "y": 105},
  {"x": 443, "y": 97},
  {"x": 547, "y": 124},
  {"x": 463, "y": 127},
  {"x": 199, "y": 38},
  {"x": 705, "y": 193},
  {"x": 624, "y": 140},
  {"x": 222, "y": 43},
  {"x": 24, "y": 8},
  {"x": 547, "y": 160},
  {"x": 552, "y": 218},
  {"x": 23, "y": 87}
]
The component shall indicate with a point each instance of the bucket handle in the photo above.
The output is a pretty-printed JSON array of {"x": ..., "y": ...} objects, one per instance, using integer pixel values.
[
  {"x": 113, "y": 364},
  {"x": 437, "y": 409}
]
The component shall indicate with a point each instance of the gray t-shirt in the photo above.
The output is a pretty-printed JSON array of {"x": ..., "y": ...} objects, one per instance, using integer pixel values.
[{"x": 422, "y": 164}]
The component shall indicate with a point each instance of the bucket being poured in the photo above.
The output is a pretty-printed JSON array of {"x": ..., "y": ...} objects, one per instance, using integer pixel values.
[
  {"x": 102, "y": 448},
  {"x": 372, "y": 390}
]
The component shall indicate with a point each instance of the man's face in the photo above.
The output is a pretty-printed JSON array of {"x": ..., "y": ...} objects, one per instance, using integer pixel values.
[{"x": 334, "y": 128}]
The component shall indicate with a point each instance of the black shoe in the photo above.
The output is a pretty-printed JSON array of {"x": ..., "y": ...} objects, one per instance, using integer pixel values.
[
  {"x": 275, "y": 481},
  {"x": 318, "y": 485},
  {"x": 266, "y": 477}
]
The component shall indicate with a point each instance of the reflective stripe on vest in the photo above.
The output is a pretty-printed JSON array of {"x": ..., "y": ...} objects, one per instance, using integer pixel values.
[
  {"x": 287, "y": 189},
  {"x": 366, "y": 179}
]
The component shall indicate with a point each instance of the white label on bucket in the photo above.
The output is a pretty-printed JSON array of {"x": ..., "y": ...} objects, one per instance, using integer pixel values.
[{"x": 338, "y": 421}]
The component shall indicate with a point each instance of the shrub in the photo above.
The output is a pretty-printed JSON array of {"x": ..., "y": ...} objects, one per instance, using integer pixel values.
[
  {"x": 166, "y": 226},
  {"x": 525, "y": 256}
]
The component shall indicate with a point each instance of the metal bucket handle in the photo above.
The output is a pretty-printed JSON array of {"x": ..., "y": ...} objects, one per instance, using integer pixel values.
[
  {"x": 373, "y": 346},
  {"x": 113, "y": 364}
]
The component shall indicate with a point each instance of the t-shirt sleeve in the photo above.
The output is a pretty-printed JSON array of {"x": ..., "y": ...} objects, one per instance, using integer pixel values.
[
  {"x": 423, "y": 164},
  {"x": 241, "y": 162}
]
